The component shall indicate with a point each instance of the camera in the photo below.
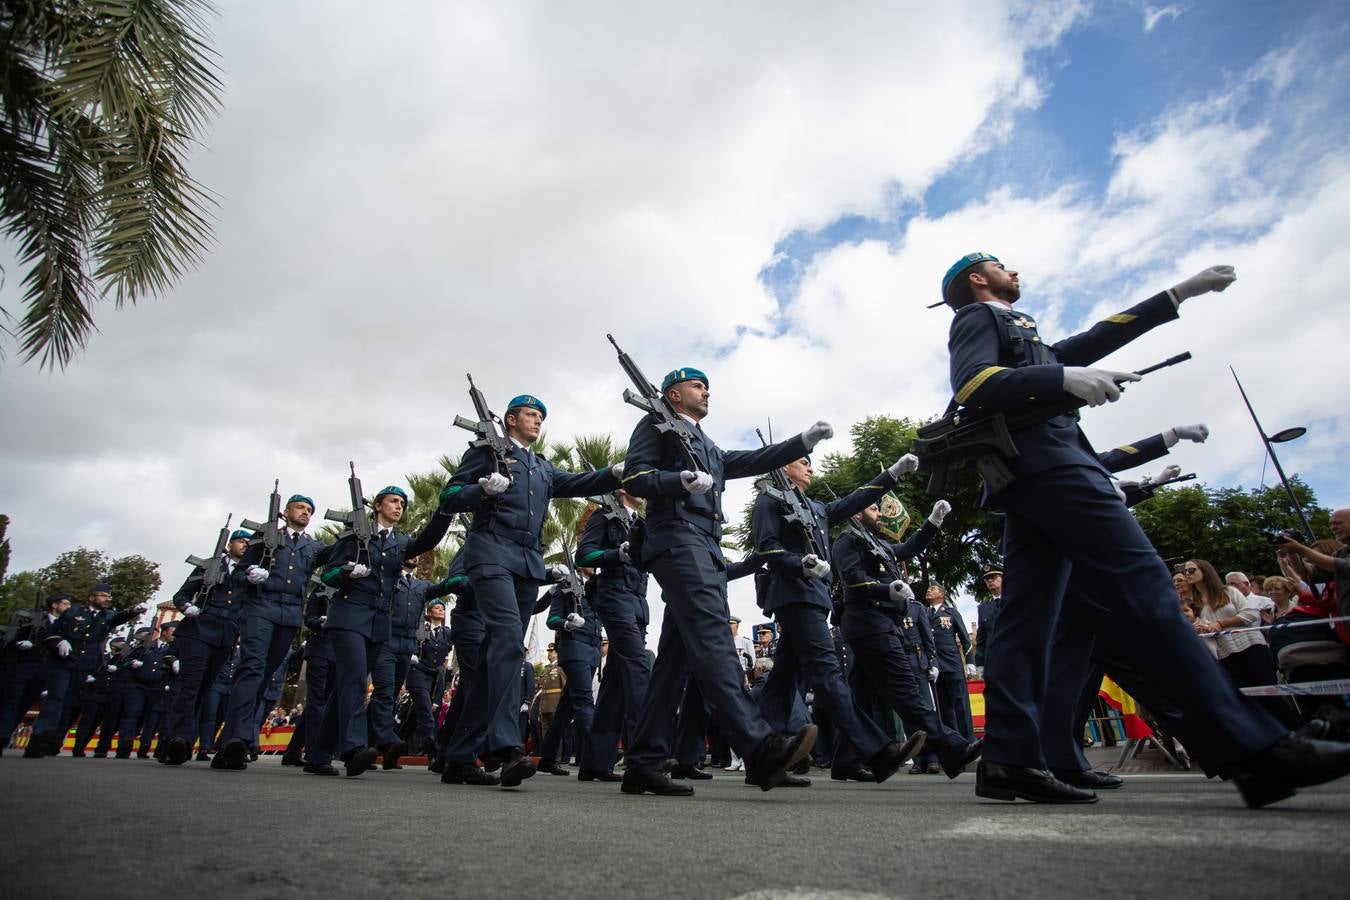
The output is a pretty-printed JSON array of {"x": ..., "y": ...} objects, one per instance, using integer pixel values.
[{"x": 1281, "y": 537}]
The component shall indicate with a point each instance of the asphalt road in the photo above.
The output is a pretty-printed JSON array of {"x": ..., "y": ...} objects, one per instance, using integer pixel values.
[{"x": 132, "y": 828}]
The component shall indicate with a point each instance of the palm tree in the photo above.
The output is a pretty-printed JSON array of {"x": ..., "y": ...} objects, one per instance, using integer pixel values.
[{"x": 99, "y": 106}]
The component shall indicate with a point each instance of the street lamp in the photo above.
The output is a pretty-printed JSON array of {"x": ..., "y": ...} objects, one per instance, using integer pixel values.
[{"x": 1279, "y": 437}]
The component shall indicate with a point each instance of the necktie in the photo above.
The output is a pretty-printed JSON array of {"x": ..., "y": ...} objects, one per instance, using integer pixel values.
[{"x": 384, "y": 533}]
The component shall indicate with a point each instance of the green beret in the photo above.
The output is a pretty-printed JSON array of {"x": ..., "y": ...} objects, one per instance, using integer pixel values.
[
  {"x": 961, "y": 265},
  {"x": 301, "y": 498},
  {"x": 436, "y": 601},
  {"x": 675, "y": 376},
  {"x": 527, "y": 400},
  {"x": 392, "y": 489},
  {"x": 240, "y": 533}
]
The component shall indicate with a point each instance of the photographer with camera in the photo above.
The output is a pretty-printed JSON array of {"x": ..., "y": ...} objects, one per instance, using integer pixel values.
[{"x": 1336, "y": 564}]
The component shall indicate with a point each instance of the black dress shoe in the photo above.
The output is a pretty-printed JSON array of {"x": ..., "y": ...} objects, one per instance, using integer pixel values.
[
  {"x": 456, "y": 773},
  {"x": 360, "y": 760},
  {"x": 291, "y": 759},
  {"x": 176, "y": 752},
  {"x": 1090, "y": 780},
  {"x": 779, "y": 753},
  {"x": 857, "y": 773},
  {"x": 891, "y": 757},
  {"x": 802, "y": 767},
  {"x": 234, "y": 755},
  {"x": 954, "y": 762},
  {"x": 77, "y": 753},
  {"x": 789, "y": 780},
  {"x": 142, "y": 754},
  {"x": 691, "y": 773},
  {"x": 392, "y": 753},
  {"x": 120, "y": 755},
  {"x": 252, "y": 755},
  {"x": 516, "y": 767},
  {"x": 1293, "y": 762},
  {"x": 319, "y": 769},
  {"x": 597, "y": 775},
  {"x": 995, "y": 782},
  {"x": 658, "y": 783},
  {"x": 32, "y": 751},
  {"x": 100, "y": 754},
  {"x": 549, "y": 767},
  {"x": 203, "y": 756},
  {"x": 437, "y": 765}
]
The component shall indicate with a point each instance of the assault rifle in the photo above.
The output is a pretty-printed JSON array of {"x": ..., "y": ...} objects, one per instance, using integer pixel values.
[
  {"x": 986, "y": 438},
  {"x": 357, "y": 521},
  {"x": 572, "y": 585},
  {"x": 1138, "y": 492},
  {"x": 271, "y": 532},
  {"x": 487, "y": 429},
  {"x": 214, "y": 571},
  {"x": 609, "y": 503},
  {"x": 873, "y": 545},
  {"x": 796, "y": 509},
  {"x": 653, "y": 402}
]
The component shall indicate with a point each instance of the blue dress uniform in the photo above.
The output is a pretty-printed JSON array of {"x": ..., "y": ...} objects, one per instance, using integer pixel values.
[
  {"x": 215, "y": 704},
  {"x": 394, "y": 663},
  {"x": 579, "y": 658},
  {"x": 147, "y": 684},
  {"x": 203, "y": 643},
  {"x": 620, "y": 601},
  {"x": 157, "y": 701},
  {"x": 682, "y": 550},
  {"x": 271, "y": 616},
  {"x": 96, "y": 699},
  {"x": 986, "y": 620},
  {"x": 86, "y": 629},
  {"x": 503, "y": 563},
  {"x": 881, "y": 665},
  {"x": 359, "y": 622},
  {"x": 1064, "y": 516},
  {"x": 467, "y": 631},
  {"x": 802, "y": 605},
  {"x": 953, "y": 649},
  {"x": 426, "y": 681},
  {"x": 319, "y": 662},
  {"x": 25, "y": 672}
]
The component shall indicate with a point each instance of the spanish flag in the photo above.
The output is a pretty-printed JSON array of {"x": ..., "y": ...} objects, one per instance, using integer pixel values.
[{"x": 1135, "y": 726}]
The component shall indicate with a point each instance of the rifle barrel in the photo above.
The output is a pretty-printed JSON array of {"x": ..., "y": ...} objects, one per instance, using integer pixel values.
[{"x": 1170, "y": 361}]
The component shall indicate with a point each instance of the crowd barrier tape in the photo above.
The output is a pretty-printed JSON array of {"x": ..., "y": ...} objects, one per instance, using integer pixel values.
[
  {"x": 1330, "y": 620},
  {"x": 1301, "y": 689}
]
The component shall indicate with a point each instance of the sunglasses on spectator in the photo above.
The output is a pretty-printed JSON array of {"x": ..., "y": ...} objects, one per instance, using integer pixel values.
[{"x": 1191, "y": 570}]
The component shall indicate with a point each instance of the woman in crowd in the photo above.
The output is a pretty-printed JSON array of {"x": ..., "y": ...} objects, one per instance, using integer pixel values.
[
  {"x": 1245, "y": 656},
  {"x": 1305, "y": 652}
]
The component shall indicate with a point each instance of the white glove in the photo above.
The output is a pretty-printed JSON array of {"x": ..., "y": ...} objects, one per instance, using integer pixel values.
[
  {"x": 494, "y": 484},
  {"x": 89, "y": 679},
  {"x": 1196, "y": 433},
  {"x": 63, "y": 648},
  {"x": 1165, "y": 475},
  {"x": 413, "y": 659},
  {"x": 524, "y": 707},
  {"x": 901, "y": 591},
  {"x": 112, "y": 668},
  {"x": 624, "y": 555},
  {"x": 696, "y": 482},
  {"x": 815, "y": 434},
  {"x": 136, "y": 664},
  {"x": 1215, "y": 278},
  {"x": 970, "y": 670},
  {"x": 190, "y": 610},
  {"x": 933, "y": 673},
  {"x": 24, "y": 645},
  {"x": 558, "y": 572},
  {"x": 175, "y": 667},
  {"x": 904, "y": 465},
  {"x": 1119, "y": 488},
  {"x": 814, "y": 567},
  {"x": 1095, "y": 386},
  {"x": 617, "y": 469},
  {"x": 323, "y": 620},
  {"x": 256, "y": 574},
  {"x": 940, "y": 510},
  {"x": 573, "y": 622},
  {"x": 359, "y": 571}
]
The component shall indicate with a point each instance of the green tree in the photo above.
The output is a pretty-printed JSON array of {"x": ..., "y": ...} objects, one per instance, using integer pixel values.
[
  {"x": 4, "y": 547},
  {"x": 101, "y": 104},
  {"x": 75, "y": 572},
  {"x": 19, "y": 590},
  {"x": 134, "y": 580}
]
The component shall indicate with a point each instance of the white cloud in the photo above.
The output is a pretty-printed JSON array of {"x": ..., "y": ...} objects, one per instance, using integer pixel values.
[{"x": 1155, "y": 14}]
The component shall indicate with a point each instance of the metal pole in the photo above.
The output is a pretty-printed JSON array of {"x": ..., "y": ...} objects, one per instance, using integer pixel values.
[{"x": 1273, "y": 458}]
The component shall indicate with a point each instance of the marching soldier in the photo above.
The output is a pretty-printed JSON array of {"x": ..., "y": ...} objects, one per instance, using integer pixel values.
[
  {"x": 873, "y": 600},
  {"x": 953, "y": 649},
  {"x": 916, "y": 634},
  {"x": 157, "y": 697},
  {"x": 359, "y": 622},
  {"x": 426, "y": 677},
  {"x": 798, "y": 596},
  {"x": 682, "y": 550},
  {"x": 577, "y": 630},
  {"x": 273, "y": 600},
  {"x": 77, "y": 639},
  {"x": 26, "y": 666},
  {"x": 1063, "y": 516},
  {"x": 205, "y": 638},
  {"x": 505, "y": 568},
  {"x": 620, "y": 600}
]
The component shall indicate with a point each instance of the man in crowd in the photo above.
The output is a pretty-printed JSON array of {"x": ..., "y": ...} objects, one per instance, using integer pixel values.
[{"x": 26, "y": 666}]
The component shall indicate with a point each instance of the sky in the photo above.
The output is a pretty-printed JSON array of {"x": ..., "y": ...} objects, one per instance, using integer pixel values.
[{"x": 770, "y": 192}]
